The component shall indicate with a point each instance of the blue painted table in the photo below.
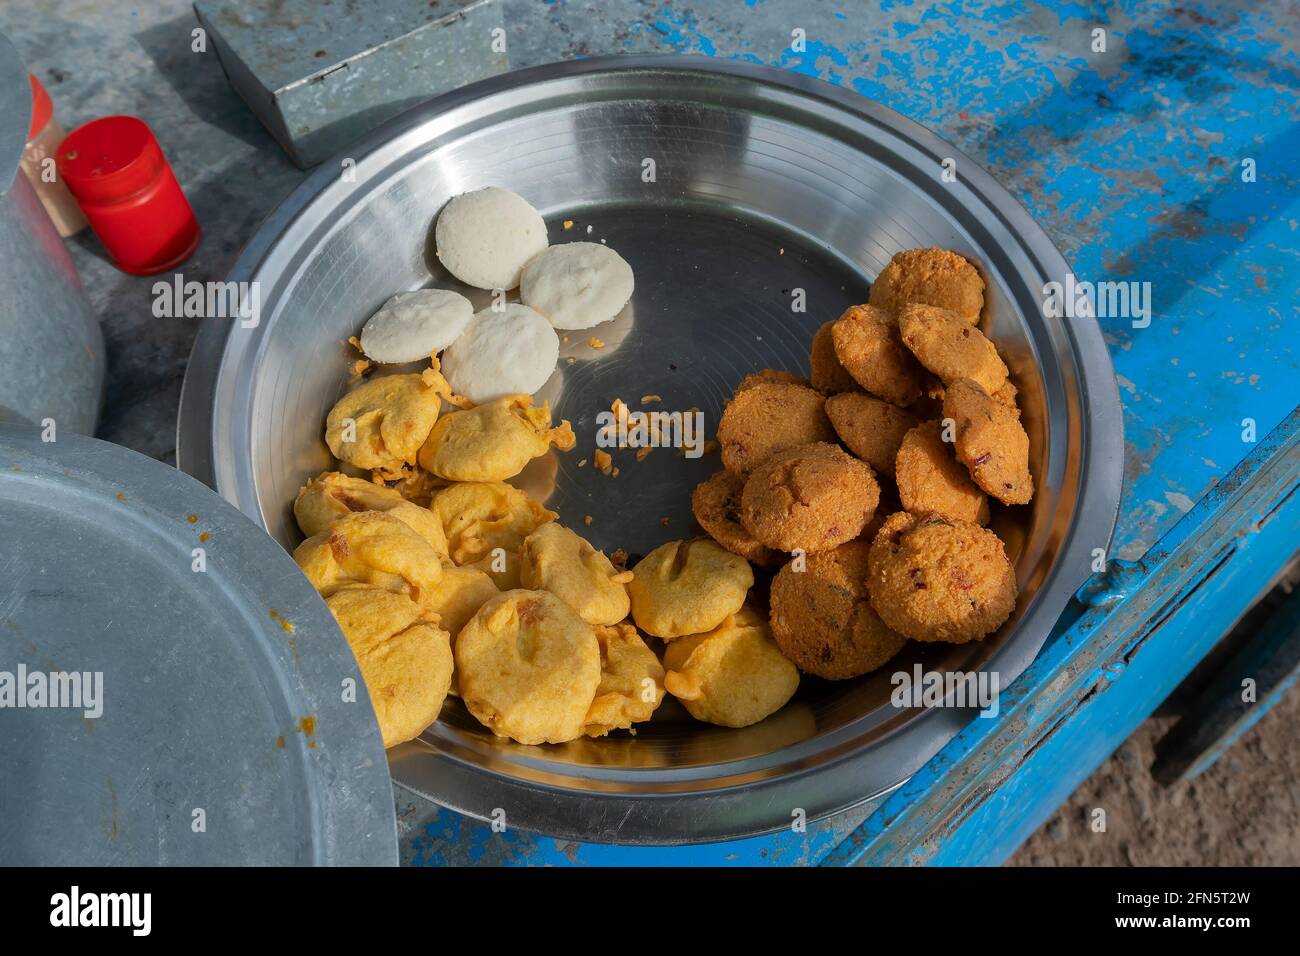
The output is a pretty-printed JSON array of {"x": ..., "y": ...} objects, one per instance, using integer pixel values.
[
  {"x": 1131, "y": 158},
  {"x": 1169, "y": 157}
]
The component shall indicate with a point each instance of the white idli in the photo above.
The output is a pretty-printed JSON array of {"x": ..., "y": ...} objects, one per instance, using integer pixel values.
[
  {"x": 510, "y": 352},
  {"x": 484, "y": 238},
  {"x": 414, "y": 325},
  {"x": 577, "y": 285}
]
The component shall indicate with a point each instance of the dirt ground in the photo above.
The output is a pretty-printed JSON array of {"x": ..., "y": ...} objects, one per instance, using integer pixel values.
[{"x": 1244, "y": 810}]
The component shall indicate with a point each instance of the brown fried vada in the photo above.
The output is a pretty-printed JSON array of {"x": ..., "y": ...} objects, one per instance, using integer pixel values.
[
  {"x": 871, "y": 428},
  {"x": 950, "y": 348},
  {"x": 811, "y": 497},
  {"x": 991, "y": 442},
  {"x": 766, "y": 418},
  {"x": 930, "y": 479},
  {"x": 930, "y": 277},
  {"x": 867, "y": 344},
  {"x": 822, "y": 616},
  {"x": 940, "y": 579},
  {"x": 716, "y": 504}
]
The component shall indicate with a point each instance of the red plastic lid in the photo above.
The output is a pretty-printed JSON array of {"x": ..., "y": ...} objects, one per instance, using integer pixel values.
[
  {"x": 109, "y": 159},
  {"x": 42, "y": 108},
  {"x": 123, "y": 183}
]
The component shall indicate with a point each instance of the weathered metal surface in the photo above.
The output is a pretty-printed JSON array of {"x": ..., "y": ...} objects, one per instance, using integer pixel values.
[
  {"x": 206, "y": 723},
  {"x": 318, "y": 75},
  {"x": 1131, "y": 160},
  {"x": 51, "y": 349}
]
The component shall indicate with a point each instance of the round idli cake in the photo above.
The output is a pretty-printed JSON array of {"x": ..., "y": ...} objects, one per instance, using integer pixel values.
[
  {"x": 577, "y": 285},
  {"x": 485, "y": 237},
  {"x": 506, "y": 351},
  {"x": 414, "y": 325}
]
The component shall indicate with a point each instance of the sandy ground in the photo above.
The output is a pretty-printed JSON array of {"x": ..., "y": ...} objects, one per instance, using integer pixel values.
[{"x": 1244, "y": 810}]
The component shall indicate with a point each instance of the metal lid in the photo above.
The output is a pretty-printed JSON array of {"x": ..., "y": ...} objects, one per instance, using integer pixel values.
[
  {"x": 15, "y": 112},
  {"x": 207, "y": 722}
]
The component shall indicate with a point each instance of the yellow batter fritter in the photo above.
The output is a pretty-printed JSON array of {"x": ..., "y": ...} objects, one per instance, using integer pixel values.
[
  {"x": 528, "y": 667},
  {"x": 334, "y": 494},
  {"x": 687, "y": 587},
  {"x": 555, "y": 559},
  {"x": 382, "y": 423},
  {"x": 405, "y": 660},
  {"x": 458, "y": 595},
  {"x": 492, "y": 442},
  {"x": 733, "y": 676},
  {"x": 370, "y": 547},
  {"x": 480, "y": 516},
  {"x": 631, "y": 682}
]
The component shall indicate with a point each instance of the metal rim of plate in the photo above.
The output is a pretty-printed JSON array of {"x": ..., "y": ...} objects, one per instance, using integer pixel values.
[
  {"x": 739, "y": 798},
  {"x": 324, "y": 797}
]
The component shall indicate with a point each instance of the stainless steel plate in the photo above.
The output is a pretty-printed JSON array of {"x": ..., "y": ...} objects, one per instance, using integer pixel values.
[
  {"x": 764, "y": 183},
  {"x": 223, "y": 736}
]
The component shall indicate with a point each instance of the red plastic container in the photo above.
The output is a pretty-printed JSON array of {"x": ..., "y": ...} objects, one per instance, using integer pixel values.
[{"x": 125, "y": 186}]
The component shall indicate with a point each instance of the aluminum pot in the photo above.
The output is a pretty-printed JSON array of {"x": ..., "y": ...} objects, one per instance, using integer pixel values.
[
  {"x": 51, "y": 347},
  {"x": 733, "y": 190}
]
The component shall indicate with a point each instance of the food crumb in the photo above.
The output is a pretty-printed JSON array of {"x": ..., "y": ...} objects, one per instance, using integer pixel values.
[
  {"x": 121, "y": 496},
  {"x": 582, "y": 462},
  {"x": 618, "y": 558},
  {"x": 614, "y": 473},
  {"x": 595, "y": 343},
  {"x": 568, "y": 224},
  {"x": 586, "y": 519},
  {"x": 204, "y": 536},
  {"x": 651, "y": 399},
  {"x": 603, "y": 460},
  {"x": 641, "y": 453},
  {"x": 193, "y": 519},
  {"x": 589, "y": 230},
  {"x": 664, "y": 521}
]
